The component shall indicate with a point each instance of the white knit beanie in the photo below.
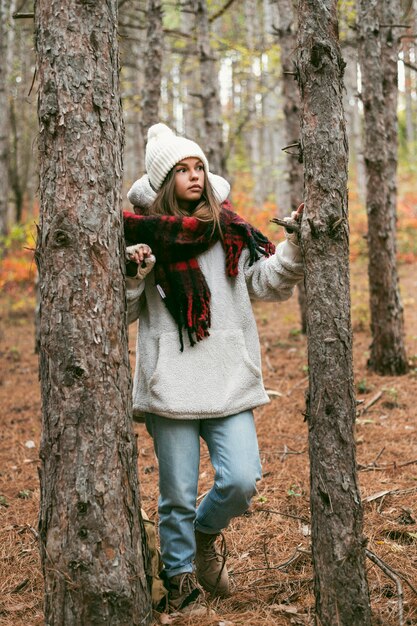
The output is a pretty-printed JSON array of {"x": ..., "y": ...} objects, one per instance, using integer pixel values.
[
  {"x": 164, "y": 150},
  {"x": 143, "y": 196}
]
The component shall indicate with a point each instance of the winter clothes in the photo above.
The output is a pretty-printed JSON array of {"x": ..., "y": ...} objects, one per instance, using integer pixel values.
[
  {"x": 176, "y": 242},
  {"x": 221, "y": 375}
]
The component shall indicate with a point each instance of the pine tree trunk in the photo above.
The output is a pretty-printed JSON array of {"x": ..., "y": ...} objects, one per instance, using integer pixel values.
[
  {"x": 153, "y": 65},
  {"x": 212, "y": 134},
  {"x": 378, "y": 58},
  {"x": 251, "y": 132},
  {"x": 4, "y": 116},
  {"x": 408, "y": 88},
  {"x": 133, "y": 47},
  {"x": 288, "y": 43},
  {"x": 190, "y": 79},
  {"x": 337, "y": 542},
  {"x": 90, "y": 530},
  {"x": 353, "y": 119}
]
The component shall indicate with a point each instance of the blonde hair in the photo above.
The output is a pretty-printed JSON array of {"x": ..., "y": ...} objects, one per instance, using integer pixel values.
[{"x": 207, "y": 209}]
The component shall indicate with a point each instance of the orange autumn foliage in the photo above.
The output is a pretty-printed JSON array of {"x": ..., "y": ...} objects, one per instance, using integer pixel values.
[{"x": 18, "y": 268}]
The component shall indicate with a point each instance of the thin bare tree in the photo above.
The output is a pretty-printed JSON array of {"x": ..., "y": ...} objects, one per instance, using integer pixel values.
[
  {"x": 212, "y": 138},
  {"x": 287, "y": 38},
  {"x": 153, "y": 65},
  {"x": 378, "y": 52},
  {"x": 5, "y": 26},
  {"x": 338, "y": 545}
]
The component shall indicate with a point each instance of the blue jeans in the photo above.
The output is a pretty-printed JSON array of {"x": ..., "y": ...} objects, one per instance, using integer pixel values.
[{"x": 234, "y": 453}]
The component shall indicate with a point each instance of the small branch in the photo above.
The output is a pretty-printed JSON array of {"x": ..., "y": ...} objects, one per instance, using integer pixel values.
[
  {"x": 305, "y": 520},
  {"x": 389, "y": 492},
  {"x": 394, "y": 576},
  {"x": 220, "y": 12},
  {"x": 387, "y": 466},
  {"x": 33, "y": 82},
  {"x": 406, "y": 463},
  {"x": 410, "y": 65},
  {"x": 290, "y": 225},
  {"x": 297, "y": 554},
  {"x": 378, "y": 456},
  {"x": 370, "y": 403},
  {"x": 23, "y": 16},
  {"x": 291, "y": 145},
  {"x": 394, "y": 26}
]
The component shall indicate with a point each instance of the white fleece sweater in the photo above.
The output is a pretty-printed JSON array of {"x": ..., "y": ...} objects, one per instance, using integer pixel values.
[{"x": 220, "y": 375}]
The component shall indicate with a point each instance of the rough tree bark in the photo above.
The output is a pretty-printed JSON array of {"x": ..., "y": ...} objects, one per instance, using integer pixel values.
[
  {"x": 4, "y": 116},
  {"x": 378, "y": 59},
  {"x": 337, "y": 542},
  {"x": 153, "y": 65},
  {"x": 288, "y": 43},
  {"x": 90, "y": 529},
  {"x": 212, "y": 139}
]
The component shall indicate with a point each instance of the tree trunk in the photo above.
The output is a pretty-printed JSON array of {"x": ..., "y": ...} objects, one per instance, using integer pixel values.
[
  {"x": 252, "y": 85},
  {"x": 212, "y": 139},
  {"x": 288, "y": 43},
  {"x": 4, "y": 116},
  {"x": 337, "y": 543},
  {"x": 408, "y": 97},
  {"x": 90, "y": 530},
  {"x": 378, "y": 58},
  {"x": 132, "y": 20},
  {"x": 17, "y": 176},
  {"x": 353, "y": 118},
  {"x": 153, "y": 65},
  {"x": 190, "y": 80}
]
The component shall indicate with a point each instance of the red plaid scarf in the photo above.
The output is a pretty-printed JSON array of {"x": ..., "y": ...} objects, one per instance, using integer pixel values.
[{"x": 176, "y": 242}]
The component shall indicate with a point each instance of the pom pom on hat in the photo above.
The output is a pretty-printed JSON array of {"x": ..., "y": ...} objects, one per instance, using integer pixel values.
[
  {"x": 164, "y": 150},
  {"x": 159, "y": 129}
]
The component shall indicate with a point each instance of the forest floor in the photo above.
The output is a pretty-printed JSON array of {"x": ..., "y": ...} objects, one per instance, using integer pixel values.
[{"x": 269, "y": 547}]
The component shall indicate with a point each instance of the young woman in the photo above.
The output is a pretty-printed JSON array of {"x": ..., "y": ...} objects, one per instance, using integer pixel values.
[{"x": 196, "y": 266}]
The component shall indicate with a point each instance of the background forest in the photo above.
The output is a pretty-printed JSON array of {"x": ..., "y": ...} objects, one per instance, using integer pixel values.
[
  {"x": 223, "y": 72},
  {"x": 247, "y": 40}
]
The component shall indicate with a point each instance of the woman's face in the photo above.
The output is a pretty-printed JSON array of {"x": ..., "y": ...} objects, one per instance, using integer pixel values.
[{"x": 189, "y": 182}]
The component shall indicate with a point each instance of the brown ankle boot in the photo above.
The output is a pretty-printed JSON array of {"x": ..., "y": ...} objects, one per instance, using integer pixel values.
[
  {"x": 211, "y": 565},
  {"x": 186, "y": 595}
]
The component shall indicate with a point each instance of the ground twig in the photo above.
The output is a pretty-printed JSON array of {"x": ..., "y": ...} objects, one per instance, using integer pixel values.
[
  {"x": 388, "y": 571},
  {"x": 294, "y": 557},
  {"x": 305, "y": 520}
]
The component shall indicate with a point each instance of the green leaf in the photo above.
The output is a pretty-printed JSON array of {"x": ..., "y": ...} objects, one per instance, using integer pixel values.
[{"x": 24, "y": 494}]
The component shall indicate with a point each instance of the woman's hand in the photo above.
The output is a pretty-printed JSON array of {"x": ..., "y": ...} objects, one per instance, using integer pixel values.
[
  {"x": 296, "y": 215},
  {"x": 290, "y": 234},
  {"x": 142, "y": 255},
  {"x": 138, "y": 253}
]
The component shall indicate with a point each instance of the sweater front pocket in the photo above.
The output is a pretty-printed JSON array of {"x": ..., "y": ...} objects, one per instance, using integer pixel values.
[{"x": 215, "y": 377}]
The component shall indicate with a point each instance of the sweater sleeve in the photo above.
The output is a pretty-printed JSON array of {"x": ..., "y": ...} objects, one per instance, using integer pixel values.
[
  {"x": 274, "y": 278},
  {"x": 134, "y": 296}
]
